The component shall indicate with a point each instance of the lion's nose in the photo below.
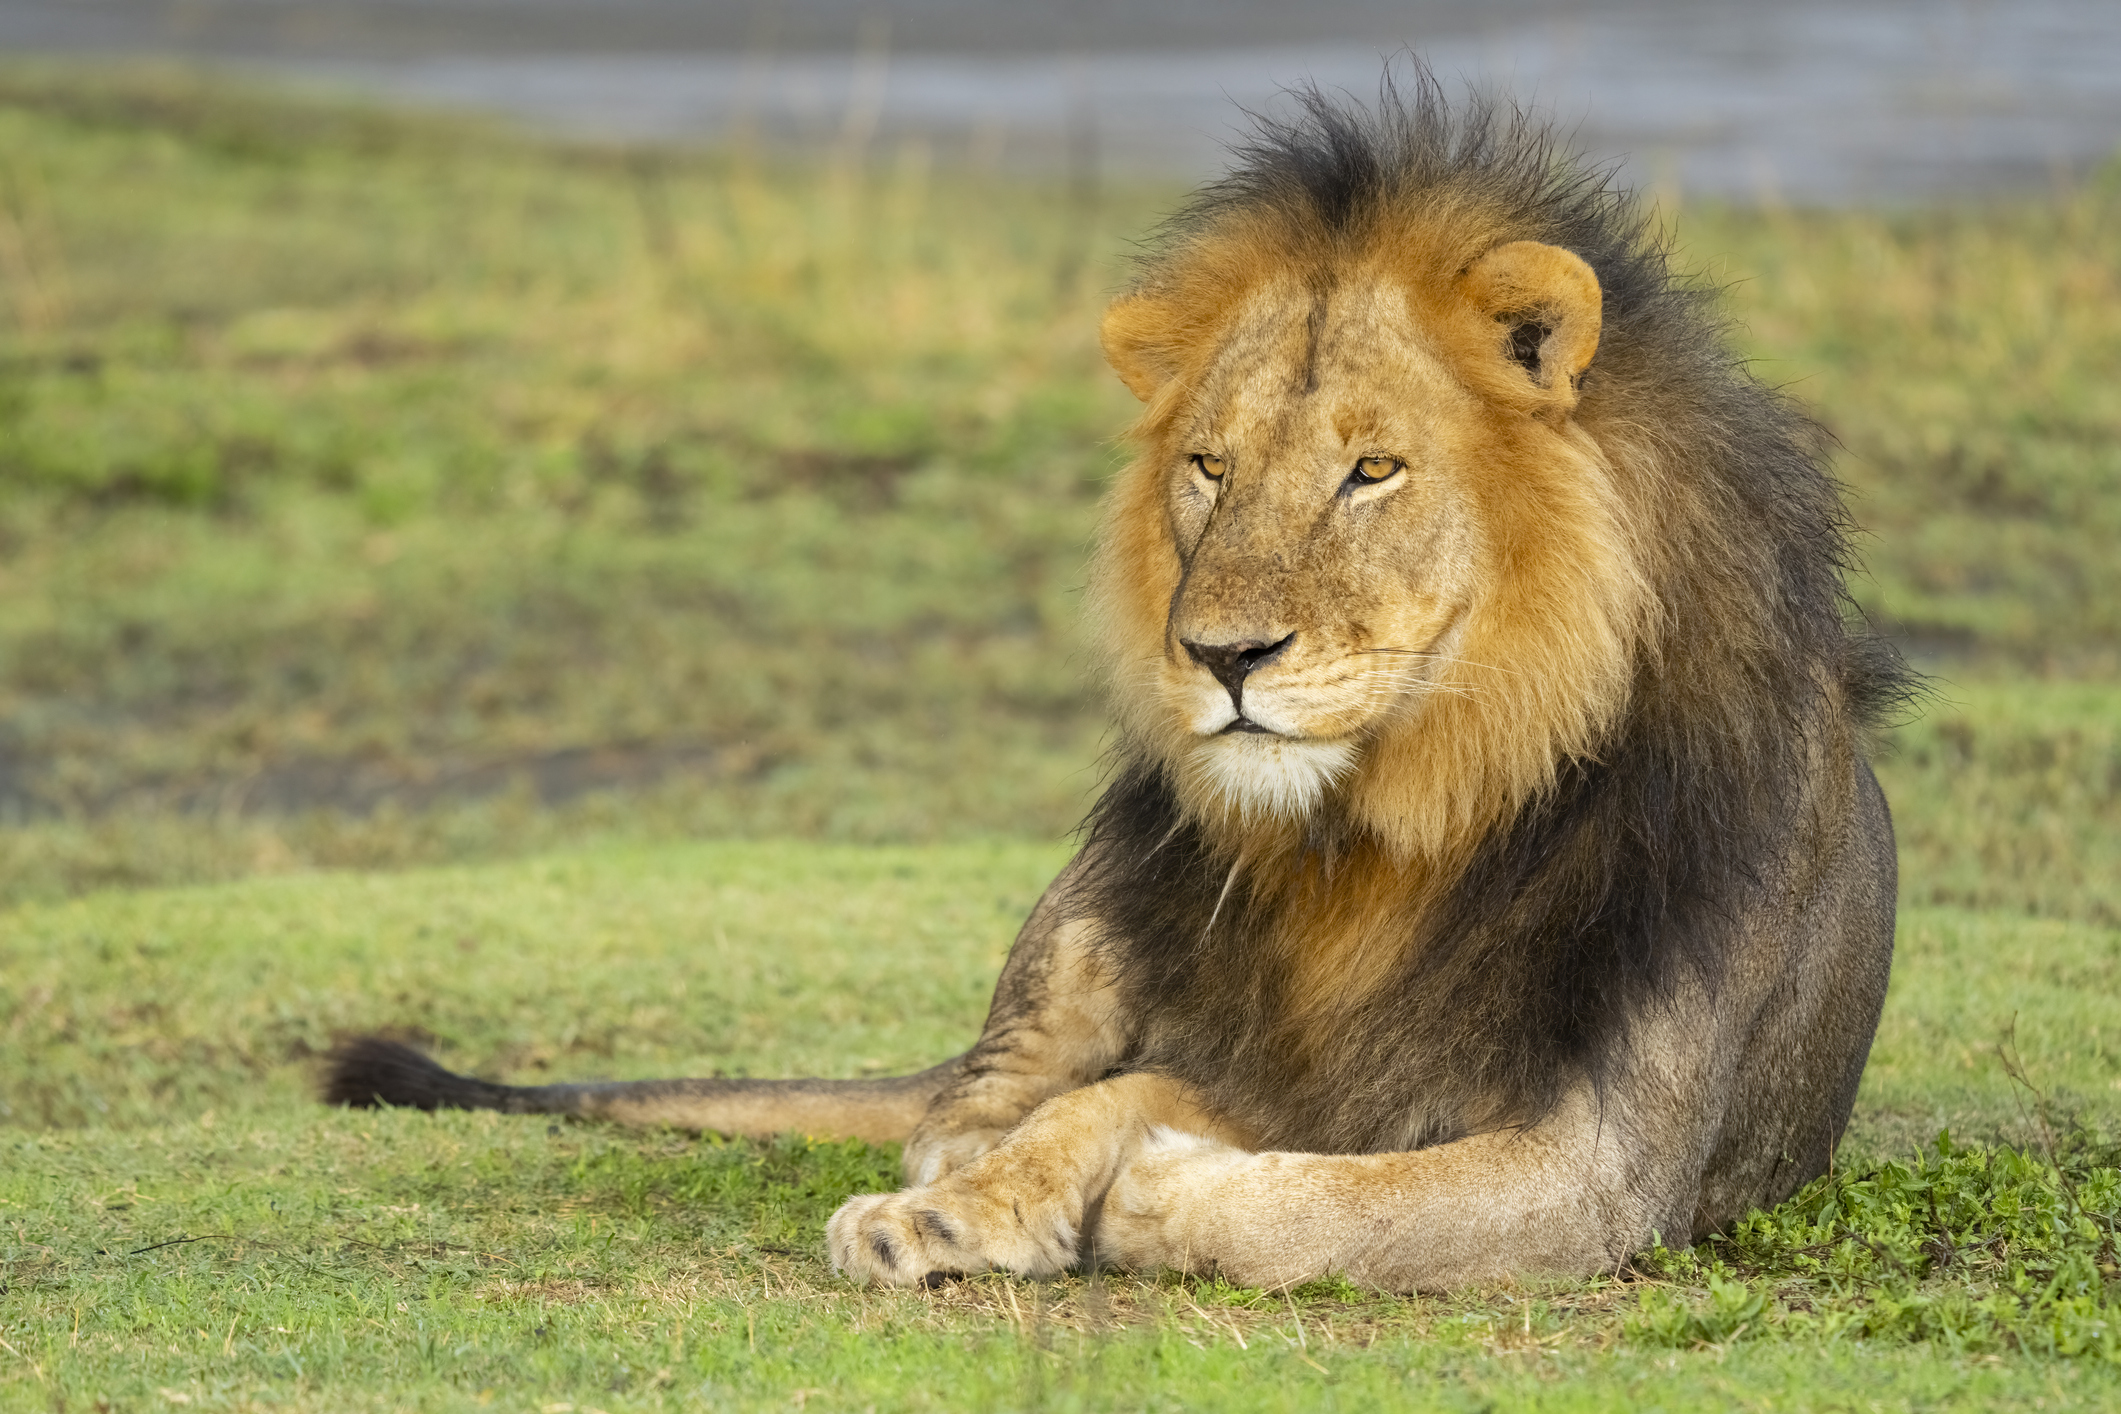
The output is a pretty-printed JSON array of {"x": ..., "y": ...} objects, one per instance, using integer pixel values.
[{"x": 1233, "y": 662}]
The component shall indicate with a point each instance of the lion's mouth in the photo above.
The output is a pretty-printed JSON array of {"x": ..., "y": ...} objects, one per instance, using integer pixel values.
[{"x": 1246, "y": 724}]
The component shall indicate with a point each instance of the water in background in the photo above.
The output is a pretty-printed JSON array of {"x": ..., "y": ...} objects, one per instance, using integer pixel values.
[{"x": 1868, "y": 100}]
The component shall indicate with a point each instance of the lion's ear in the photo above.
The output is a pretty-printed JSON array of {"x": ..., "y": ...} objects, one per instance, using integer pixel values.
[
  {"x": 1546, "y": 305},
  {"x": 1138, "y": 335}
]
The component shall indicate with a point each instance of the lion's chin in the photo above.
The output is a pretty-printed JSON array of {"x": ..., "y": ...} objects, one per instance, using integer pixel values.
[{"x": 1259, "y": 775}]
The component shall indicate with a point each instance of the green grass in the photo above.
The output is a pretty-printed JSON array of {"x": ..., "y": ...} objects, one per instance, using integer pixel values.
[
  {"x": 377, "y": 491},
  {"x": 2007, "y": 795},
  {"x": 393, "y": 463},
  {"x": 158, "y": 1046},
  {"x": 434, "y": 536},
  {"x": 1960, "y": 357}
]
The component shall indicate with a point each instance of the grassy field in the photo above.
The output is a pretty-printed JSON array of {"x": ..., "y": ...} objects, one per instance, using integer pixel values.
[
  {"x": 156, "y": 1067},
  {"x": 378, "y": 492},
  {"x": 612, "y": 613}
]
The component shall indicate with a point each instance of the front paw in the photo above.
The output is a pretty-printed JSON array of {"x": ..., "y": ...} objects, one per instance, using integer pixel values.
[{"x": 947, "y": 1229}]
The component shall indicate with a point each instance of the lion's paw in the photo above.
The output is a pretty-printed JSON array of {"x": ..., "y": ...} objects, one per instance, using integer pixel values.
[{"x": 947, "y": 1229}]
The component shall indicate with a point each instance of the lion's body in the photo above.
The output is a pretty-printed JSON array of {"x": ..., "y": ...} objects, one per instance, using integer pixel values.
[{"x": 1492, "y": 878}]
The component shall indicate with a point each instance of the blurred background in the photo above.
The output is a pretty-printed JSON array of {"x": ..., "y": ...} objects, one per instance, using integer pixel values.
[
  {"x": 441, "y": 430},
  {"x": 1809, "y": 102}
]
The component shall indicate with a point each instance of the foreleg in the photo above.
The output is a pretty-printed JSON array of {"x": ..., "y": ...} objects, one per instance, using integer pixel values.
[
  {"x": 1556, "y": 1199},
  {"x": 1055, "y": 1025}
]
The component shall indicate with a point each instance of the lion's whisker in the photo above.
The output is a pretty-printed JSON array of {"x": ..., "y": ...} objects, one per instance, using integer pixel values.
[{"x": 1454, "y": 659}]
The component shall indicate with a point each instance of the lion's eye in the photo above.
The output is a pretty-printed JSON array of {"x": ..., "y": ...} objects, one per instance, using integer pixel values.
[
  {"x": 1208, "y": 466},
  {"x": 1371, "y": 470}
]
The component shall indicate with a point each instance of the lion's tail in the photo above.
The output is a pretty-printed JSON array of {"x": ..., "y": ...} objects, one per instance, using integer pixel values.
[{"x": 371, "y": 1071}]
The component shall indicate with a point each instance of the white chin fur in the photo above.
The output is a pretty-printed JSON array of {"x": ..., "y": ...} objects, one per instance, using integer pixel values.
[{"x": 1272, "y": 776}]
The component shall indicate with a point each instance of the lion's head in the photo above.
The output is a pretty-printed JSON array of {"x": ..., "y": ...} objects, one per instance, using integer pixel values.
[
  {"x": 1368, "y": 541},
  {"x": 1402, "y": 531}
]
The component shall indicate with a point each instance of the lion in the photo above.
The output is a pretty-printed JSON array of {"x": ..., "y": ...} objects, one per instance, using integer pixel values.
[{"x": 1490, "y": 882}]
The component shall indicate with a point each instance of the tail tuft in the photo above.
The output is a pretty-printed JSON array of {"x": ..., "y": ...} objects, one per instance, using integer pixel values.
[{"x": 369, "y": 1071}]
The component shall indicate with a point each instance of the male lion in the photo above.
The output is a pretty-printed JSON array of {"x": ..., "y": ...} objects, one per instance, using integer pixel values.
[{"x": 1491, "y": 879}]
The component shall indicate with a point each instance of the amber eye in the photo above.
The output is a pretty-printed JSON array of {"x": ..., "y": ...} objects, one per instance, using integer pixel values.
[
  {"x": 1371, "y": 470},
  {"x": 1208, "y": 466}
]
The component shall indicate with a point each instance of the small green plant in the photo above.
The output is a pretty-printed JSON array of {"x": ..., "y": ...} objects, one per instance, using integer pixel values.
[{"x": 1979, "y": 1249}]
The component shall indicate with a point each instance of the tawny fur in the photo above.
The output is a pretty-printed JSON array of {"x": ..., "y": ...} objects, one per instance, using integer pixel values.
[{"x": 1491, "y": 877}]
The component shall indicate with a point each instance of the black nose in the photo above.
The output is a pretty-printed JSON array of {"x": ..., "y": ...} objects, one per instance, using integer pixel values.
[{"x": 1233, "y": 662}]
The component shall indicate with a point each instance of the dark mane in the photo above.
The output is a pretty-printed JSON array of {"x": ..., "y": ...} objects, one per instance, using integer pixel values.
[{"x": 1622, "y": 881}]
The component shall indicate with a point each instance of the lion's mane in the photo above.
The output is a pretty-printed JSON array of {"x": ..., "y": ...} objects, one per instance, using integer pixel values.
[{"x": 1570, "y": 861}]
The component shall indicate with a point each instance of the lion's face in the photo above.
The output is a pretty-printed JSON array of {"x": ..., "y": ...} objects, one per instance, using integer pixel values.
[
  {"x": 1328, "y": 547},
  {"x": 1350, "y": 490}
]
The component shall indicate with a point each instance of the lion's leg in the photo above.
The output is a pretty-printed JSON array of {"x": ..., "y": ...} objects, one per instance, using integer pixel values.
[
  {"x": 1576, "y": 1192},
  {"x": 1055, "y": 1026},
  {"x": 1140, "y": 1172},
  {"x": 1020, "y": 1207},
  {"x": 1551, "y": 1200}
]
